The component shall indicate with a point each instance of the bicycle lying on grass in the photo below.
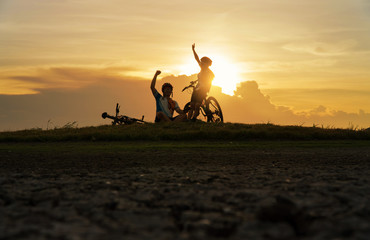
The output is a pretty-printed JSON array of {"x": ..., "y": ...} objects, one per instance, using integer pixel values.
[
  {"x": 210, "y": 108},
  {"x": 122, "y": 119}
]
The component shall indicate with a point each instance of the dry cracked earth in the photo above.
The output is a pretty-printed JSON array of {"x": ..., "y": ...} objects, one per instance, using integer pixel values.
[{"x": 189, "y": 193}]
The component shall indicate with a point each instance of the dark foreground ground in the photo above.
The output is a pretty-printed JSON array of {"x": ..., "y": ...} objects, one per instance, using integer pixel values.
[{"x": 255, "y": 190}]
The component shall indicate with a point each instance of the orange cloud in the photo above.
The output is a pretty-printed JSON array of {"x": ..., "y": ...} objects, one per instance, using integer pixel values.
[
  {"x": 322, "y": 48},
  {"x": 34, "y": 80},
  {"x": 98, "y": 91}
]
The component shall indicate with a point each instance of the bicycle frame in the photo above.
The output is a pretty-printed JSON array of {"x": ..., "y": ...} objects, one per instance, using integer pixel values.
[
  {"x": 204, "y": 107},
  {"x": 122, "y": 119}
]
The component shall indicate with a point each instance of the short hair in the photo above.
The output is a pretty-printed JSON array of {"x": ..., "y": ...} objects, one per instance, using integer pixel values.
[
  {"x": 166, "y": 85},
  {"x": 206, "y": 60}
]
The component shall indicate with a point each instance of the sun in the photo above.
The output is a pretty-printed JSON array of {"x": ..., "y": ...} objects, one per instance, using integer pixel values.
[{"x": 227, "y": 74}]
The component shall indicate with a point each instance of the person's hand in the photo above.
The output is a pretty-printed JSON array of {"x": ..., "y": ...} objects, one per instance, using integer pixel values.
[
  {"x": 193, "y": 46},
  {"x": 158, "y": 72}
]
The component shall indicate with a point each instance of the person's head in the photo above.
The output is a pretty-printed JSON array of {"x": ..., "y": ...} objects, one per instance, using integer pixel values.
[
  {"x": 167, "y": 89},
  {"x": 206, "y": 61}
]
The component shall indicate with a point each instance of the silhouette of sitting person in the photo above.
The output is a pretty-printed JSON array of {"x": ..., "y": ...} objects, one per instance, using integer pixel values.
[
  {"x": 165, "y": 106},
  {"x": 205, "y": 78}
]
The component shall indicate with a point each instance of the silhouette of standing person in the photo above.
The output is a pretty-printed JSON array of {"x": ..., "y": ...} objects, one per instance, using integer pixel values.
[{"x": 205, "y": 78}]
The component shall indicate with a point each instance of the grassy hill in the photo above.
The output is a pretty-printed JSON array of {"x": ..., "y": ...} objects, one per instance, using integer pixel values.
[{"x": 184, "y": 132}]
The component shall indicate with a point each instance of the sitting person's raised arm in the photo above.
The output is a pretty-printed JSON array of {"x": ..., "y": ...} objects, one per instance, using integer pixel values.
[{"x": 152, "y": 85}]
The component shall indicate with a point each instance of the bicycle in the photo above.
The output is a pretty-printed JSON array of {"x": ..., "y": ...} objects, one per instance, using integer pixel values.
[
  {"x": 122, "y": 119},
  {"x": 210, "y": 107}
]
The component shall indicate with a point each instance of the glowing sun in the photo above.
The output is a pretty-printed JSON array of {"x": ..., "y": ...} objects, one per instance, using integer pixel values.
[{"x": 227, "y": 74}]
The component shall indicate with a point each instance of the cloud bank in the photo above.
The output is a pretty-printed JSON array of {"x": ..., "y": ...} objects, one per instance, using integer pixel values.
[{"x": 98, "y": 91}]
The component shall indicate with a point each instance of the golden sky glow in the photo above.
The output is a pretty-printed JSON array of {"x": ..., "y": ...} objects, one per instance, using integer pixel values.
[{"x": 293, "y": 49}]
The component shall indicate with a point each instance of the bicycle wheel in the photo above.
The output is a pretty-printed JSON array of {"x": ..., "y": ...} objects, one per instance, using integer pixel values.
[{"x": 214, "y": 112}]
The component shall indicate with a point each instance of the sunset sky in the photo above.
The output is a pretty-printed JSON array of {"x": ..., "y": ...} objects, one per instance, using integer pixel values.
[{"x": 302, "y": 54}]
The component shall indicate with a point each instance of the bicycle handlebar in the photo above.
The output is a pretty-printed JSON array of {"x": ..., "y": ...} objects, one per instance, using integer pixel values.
[{"x": 192, "y": 84}]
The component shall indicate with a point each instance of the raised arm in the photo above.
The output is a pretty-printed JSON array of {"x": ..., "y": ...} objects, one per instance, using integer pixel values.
[
  {"x": 152, "y": 85},
  {"x": 195, "y": 54}
]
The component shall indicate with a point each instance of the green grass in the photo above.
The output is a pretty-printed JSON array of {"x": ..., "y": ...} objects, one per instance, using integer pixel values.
[
  {"x": 197, "y": 146},
  {"x": 185, "y": 132}
]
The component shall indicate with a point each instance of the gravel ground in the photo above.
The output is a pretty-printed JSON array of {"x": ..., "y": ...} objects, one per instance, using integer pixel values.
[{"x": 186, "y": 193}]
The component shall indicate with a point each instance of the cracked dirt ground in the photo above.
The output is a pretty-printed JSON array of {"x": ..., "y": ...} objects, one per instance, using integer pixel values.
[{"x": 185, "y": 193}]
